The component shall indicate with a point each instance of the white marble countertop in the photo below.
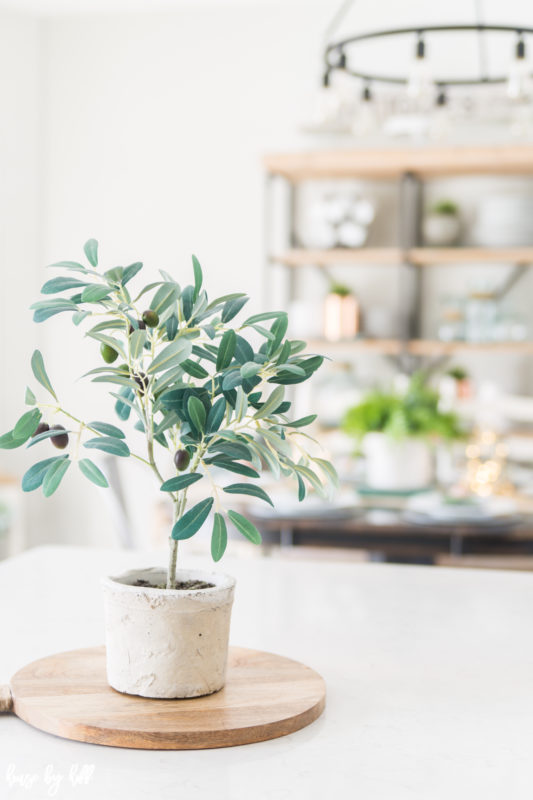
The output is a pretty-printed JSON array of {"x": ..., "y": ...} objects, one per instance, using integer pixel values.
[{"x": 429, "y": 674}]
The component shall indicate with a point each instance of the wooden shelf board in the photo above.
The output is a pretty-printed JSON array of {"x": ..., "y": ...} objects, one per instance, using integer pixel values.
[
  {"x": 363, "y": 255},
  {"x": 427, "y": 256},
  {"x": 378, "y": 346},
  {"x": 431, "y": 348},
  {"x": 393, "y": 162},
  {"x": 420, "y": 347},
  {"x": 420, "y": 256}
]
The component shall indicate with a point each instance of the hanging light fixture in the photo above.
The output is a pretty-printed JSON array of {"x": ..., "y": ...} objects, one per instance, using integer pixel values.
[
  {"x": 419, "y": 73},
  {"x": 415, "y": 90}
]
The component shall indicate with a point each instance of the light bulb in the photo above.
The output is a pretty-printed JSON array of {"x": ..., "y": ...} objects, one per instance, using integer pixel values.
[
  {"x": 365, "y": 119},
  {"x": 519, "y": 81},
  {"x": 342, "y": 84},
  {"x": 420, "y": 85},
  {"x": 440, "y": 125},
  {"x": 326, "y": 104}
]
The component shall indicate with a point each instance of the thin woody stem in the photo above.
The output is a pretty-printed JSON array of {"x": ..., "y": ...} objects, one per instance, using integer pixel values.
[
  {"x": 173, "y": 555},
  {"x": 179, "y": 507}
]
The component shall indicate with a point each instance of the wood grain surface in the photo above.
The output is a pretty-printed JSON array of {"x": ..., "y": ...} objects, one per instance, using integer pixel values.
[
  {"x": 389, "y": 162},
  {"x": 265, "y": 696}
]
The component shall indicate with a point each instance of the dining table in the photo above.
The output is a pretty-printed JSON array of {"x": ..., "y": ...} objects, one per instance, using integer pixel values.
[{"x": 429, "y": 676}]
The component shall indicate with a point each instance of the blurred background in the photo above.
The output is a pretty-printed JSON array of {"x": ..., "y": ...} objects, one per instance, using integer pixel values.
[{"x": 391, "y": 218}]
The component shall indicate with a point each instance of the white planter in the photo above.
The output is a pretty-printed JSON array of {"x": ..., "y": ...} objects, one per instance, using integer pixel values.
[
  {"x": 397, "y": 465},
  {"x": 441, "y": 230},
  {"x": 163, "y": 642}
]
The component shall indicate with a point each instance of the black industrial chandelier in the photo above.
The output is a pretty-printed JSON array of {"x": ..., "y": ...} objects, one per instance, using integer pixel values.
[
  {"x": 349, "y": 89},
  {"x": 337, "y": 54}
]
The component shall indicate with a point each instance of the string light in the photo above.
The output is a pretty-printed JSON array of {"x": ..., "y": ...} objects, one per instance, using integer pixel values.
[{"x": 519, "y": 83}]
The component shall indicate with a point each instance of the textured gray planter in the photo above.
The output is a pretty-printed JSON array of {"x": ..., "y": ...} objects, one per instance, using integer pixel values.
[{"x": 163, "y": 642}]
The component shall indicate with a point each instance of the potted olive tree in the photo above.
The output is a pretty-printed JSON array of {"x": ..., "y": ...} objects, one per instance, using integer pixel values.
[
  {"x": 396, "y": 431},
  {"x": 200, "y": 389}
]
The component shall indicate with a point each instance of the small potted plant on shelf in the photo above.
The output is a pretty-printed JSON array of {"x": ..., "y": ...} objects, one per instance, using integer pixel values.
[
  {"x": 214, "y": 403},
  {"x": 341, "y": 313},
  {"x": 442, "y": 224},
  {"x": 462, "y": 381},
  {"x": 396, "y": 430}
]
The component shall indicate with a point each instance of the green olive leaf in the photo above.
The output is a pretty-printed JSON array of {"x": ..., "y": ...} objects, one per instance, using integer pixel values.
[
  {"x": 248, "y": 489},
  {"x": 226, "y": 350},
  {"x": 191, "y": 522},
  {"x": 109, "y": 444},
  {"x": 90, "y": 248},
  {"x": 54, "y": 475},
  {"x": 106, "y": 429},
  {"x": 92, "y": 472},
  {"x": 197, "y": 413},
  {"x": 27, "y": 424},
  {"x": 33, "y": 478},
  {"x": 180, "y": 482},
  {"x": 94, "y": 293},
  {"x": 219, "y": 537},
  {"x": 245, "y": 527},
  {"x": 137, "y": 340},
  {"x": 37, "y": 365},
  {"x": 198, "y": 277}
]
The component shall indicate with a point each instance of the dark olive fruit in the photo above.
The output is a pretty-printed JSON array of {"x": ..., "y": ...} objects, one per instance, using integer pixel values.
[
  {"x": 108, "y": 353},
  {"x": 182, "y": 459},
  {"x": 140, "y": 326},
  {"x": 142, "y": 381},
  {"x": 42, "y": 427},
  {"x": 151, "y": 318},
  {"x": 61, "y": 440}
]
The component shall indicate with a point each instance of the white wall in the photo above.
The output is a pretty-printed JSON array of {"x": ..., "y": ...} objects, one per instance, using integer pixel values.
[
  {"x": 20, "y": 163},
  {"x": 19, "y": 200}
]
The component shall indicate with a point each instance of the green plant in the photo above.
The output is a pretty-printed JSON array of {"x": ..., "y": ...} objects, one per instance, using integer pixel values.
[
  {"x": 447, "y": 207},
  {"x": 340, "y": 289},
  {"x": 414, "y": 413},
  {"x": 194, "y": 383},
  {"x": 458, "y": 373}
]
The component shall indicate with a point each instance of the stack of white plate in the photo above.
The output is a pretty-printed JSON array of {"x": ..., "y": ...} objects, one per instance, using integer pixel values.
[
  {"x": 504, "y": 220},
  {"x": 437, "y": 509},
  {"x": 286, "y": 505}
]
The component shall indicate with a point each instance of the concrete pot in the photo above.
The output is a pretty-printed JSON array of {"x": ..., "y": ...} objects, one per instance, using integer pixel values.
[
  {"x": 397, "y": 465},
  {"x": 164, "y": 642},
  {"x": 441, "y": 230}
]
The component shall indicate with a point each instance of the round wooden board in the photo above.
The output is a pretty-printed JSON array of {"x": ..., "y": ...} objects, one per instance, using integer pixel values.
[{"x": 265, "y": 696}]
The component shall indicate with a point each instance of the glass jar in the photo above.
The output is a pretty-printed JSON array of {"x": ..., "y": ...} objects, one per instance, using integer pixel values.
[
  {"x": 481, "y": 314},
  {"x": 452, "y": 323}
]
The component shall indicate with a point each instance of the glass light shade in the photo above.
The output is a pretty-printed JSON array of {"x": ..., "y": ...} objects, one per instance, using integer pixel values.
[
  {"x": 519, "y": 83},
  {"x": 420, "y": 84}
]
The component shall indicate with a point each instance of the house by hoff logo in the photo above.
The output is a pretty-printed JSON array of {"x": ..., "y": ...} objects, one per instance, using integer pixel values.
[{"x": 50, "y": 779}]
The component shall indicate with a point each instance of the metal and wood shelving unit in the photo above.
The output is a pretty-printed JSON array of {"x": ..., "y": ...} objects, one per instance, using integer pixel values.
[{"x": 410, "y": 168}]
